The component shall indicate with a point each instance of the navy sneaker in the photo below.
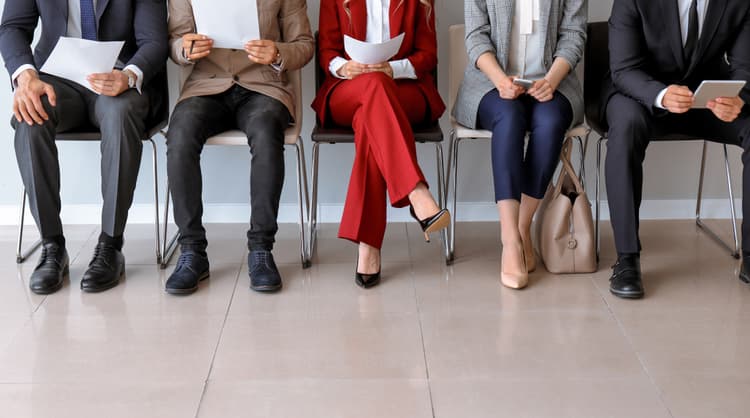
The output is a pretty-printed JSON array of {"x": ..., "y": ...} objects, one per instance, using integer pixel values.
[
  {"x": 192, "y": 268},
  {"x": 264, "y": 276}
]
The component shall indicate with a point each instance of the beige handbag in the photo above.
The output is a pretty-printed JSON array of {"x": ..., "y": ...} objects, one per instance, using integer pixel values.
[{"x": 565, "y": 227}]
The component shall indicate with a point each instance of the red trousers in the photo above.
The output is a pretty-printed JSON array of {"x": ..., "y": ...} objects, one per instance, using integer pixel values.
[{"x": 381, "y": 111}]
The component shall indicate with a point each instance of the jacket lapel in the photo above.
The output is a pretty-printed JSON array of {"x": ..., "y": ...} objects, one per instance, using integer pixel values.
[
  {"x": 397, "y": 16},
  {"x": 714, "y": 14},
  {"x": 673, "y": 28},
  {"x": 101, "y": 6},
  {"x": 358, "y": 9}
]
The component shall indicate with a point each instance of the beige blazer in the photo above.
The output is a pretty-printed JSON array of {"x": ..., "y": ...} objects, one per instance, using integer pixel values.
[{"x": 283, "y": 21}]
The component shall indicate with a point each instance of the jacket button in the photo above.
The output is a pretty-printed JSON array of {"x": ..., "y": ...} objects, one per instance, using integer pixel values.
[{"x": 236, "y": 78}]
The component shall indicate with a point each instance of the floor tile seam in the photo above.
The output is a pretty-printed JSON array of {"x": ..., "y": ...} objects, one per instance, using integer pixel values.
[
  {"x": 218, "y": 341},
  {"x": 83, "y": 246},
  {"x": 624, "y": 333}
]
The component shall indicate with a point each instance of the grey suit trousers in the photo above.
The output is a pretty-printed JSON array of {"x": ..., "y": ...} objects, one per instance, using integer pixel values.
[{"x": 121, "y": 121}]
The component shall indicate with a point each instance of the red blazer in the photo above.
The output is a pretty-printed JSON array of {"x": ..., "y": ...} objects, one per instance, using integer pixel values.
[{"x": 419, "y": 45}]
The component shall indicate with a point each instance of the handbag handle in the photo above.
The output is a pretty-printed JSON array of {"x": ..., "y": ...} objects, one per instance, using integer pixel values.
[{"x": 567, "y": 168}]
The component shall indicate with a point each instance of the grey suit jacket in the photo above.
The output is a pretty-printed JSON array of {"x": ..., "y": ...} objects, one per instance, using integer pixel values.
[{"x": 488, "y": 26}]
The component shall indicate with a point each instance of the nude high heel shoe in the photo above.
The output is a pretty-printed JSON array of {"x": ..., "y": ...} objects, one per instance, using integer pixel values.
[{"x": 516, "y": 280}]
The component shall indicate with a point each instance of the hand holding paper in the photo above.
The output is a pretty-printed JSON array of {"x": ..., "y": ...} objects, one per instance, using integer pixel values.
[
  {"x": 75, "y": 59},
  {"x": 230, "y": 23}
]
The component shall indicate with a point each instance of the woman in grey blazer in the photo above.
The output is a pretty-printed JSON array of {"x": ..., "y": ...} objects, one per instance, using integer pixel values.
[{"x": 509, "y": 42}]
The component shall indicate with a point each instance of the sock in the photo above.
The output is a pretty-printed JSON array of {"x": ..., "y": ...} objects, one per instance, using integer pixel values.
[{"x": 113, "y": 241}]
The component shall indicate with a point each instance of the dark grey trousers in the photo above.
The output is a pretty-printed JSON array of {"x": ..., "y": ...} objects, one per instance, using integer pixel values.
[
  {"x": 630, "y": 128},
  {"x": 264, "y": 120},
  {"x": 121, "y": 121}
]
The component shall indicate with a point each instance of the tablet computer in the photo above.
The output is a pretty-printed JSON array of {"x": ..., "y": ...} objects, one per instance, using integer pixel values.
[{"x": 713, "y": 89}]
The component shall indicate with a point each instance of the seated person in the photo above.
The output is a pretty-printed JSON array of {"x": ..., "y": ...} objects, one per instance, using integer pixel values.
[
  {"x": 120, "y": 107},
  {"x": 234, "y": 89},
  {"x": 660, "y": 53}
]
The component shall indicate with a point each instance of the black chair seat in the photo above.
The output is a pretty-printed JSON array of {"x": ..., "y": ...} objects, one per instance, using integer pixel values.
[
  {"x": 336, "y": 135},
  {"x": 91, "y": 134}
]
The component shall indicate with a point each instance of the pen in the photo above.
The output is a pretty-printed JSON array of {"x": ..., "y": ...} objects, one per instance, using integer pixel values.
[{"x": 192, "y": 44}]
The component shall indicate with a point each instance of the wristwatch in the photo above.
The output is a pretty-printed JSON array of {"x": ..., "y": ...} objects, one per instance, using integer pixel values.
[{"x": 131, "y": 79}]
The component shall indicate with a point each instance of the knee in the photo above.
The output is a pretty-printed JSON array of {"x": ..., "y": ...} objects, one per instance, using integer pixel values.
[
  {"x": 626, "y": 115},
  {"x": 120, "y": 110},
  {"x": 376, "y": 82},
  {"x": 266, "y": 134}
]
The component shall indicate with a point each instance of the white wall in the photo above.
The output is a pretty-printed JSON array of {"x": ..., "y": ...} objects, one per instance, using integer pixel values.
[{"x": 671, "y": 170}]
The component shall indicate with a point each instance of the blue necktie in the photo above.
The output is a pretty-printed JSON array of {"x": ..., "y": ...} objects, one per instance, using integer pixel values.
[{"x": 88, "y": 20}]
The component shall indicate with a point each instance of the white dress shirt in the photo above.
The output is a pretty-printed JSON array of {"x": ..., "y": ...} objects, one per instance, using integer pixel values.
[
  {"x": 74, "y": 31},
  {"x": 684, "y": 9},
  {"x": 378, "y": 30},
  {"x": 526, "y": 49}
]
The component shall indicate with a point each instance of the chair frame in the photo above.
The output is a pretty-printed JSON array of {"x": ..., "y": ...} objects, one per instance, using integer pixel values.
[
  {"x": 232, "y": 138},
  {"x": 734, "y": 251},
  {"x": 22, "y": 255}
]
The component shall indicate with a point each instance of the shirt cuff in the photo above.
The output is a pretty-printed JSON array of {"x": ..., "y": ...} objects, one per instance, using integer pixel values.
[
  {"x": 18, "y": 72},
  {"x": 336, "y": 65},
  {"x": 659, "y": 102},
  {"x": 138, "y": 76},
  {"x": 403, "y": 69}
]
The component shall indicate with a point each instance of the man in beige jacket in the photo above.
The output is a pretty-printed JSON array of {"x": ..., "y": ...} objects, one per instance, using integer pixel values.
[{"x": 234, "y": 89}]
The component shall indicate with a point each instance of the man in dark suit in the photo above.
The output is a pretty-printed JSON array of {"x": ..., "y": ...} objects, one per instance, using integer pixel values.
[
  {"x": 660, "y": 51},
  {"x": 43, "y": 105}
]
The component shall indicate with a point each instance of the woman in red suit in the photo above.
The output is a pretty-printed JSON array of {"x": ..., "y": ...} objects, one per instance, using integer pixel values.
[{"x": 381, "y": 102}]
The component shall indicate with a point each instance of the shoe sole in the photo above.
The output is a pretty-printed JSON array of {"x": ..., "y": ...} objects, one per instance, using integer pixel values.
[
  {"x": 628, "y": 295},
  {"x": 184, "y": 292},
  {"x": 266, "y": 289},
  {"x": 43, "y": 292},
  {"x": 441, "y": 223},
  {"x": 107, "y": 286}
]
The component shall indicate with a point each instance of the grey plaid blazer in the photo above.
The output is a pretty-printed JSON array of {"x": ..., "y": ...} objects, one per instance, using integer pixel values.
[{"x": 488, "y": 26}]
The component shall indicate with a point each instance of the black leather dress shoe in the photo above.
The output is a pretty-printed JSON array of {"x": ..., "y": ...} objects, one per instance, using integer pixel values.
[
  {"x": 191, "y": 268},
  {"x": 50, "y": 272},
  {"x": 264, "y": 276},
  {"x": 744, "y": 273},
  {"x": 105, "y": 269},
  {"x": 626, "y": 280}
]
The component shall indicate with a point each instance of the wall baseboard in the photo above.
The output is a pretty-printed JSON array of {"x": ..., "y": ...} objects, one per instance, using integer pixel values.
[{"x": 288, "y": 213}]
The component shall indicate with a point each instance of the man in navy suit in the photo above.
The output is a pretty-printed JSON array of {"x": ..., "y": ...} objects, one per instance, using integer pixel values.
[
  {"x": 660, "y": 52},
  {"x": 123, "y": 102}
]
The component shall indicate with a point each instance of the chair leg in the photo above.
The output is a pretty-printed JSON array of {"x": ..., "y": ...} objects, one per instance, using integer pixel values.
[
  {"x": 597, "y": 221},
  {"x": 442, "y": 196},
  {"x": 170, "y": 243},
  {"x": 454, "y": 215},
  {"x": 734, "y": 252},
  {"x": 22, "y": 255},
  {"x": 313, "y": 217},
  {"x": 304, "y": 201},
  {"x": 157, "y": 224},
  {"x": 582, "y": 169}
]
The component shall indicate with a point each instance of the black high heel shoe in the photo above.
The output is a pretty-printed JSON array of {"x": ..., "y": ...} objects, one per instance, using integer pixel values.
[
  {"x": 366, "y": 281},
  {"x": 434, "y": 223}
]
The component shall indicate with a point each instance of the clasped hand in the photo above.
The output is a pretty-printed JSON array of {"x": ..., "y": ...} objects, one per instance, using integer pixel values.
[
  {"x": 196, "y": 46},
  {"x": 542, "y": 90},
  {"x": 353, "y": 69}
]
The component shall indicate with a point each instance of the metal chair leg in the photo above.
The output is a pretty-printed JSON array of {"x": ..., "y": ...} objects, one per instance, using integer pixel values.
[
  {"x": 597, "y": 221},
  {"x": 442, "y": 196},
  {"x": 170, "y": 243},
  {"x": 313, "y": 217},
  {"x": 156, "y": 201},
  {"x": 454, "y": 215},
  {"x": 303, "y": 200},
  {"x": 22, "y": 255},
  {"x": 734, "y": 252}
]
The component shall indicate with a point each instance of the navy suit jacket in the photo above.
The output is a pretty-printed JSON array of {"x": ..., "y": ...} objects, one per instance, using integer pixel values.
[
  {"x": 646, "y": 52},
  {"x": 142, "y": 24}
]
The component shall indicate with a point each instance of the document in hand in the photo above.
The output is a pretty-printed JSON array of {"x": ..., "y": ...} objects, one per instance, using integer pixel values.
[
  {"x": 367, "y": 53},
  {"x": 230, "y": 23},
  {"x": 75, "y": 59}
]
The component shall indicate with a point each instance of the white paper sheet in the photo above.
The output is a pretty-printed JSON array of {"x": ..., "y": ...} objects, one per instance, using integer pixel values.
[
  {"x": 367, "y": 53},
  {"x": 230, "y": 23},
  {"x": 75, "y": 59}
]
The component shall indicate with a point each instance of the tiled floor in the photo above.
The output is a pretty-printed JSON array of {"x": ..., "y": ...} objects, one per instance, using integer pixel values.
[{"x": 431, "y": 341}]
